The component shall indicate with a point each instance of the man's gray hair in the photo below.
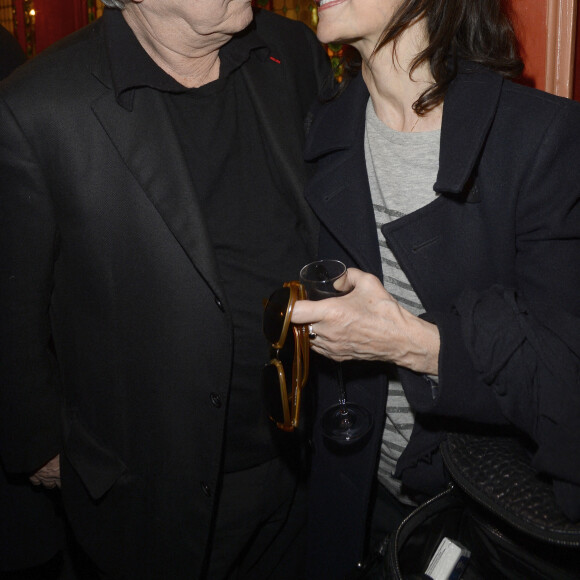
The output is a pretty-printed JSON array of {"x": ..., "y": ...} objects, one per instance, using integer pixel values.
[{"x": 115, "y": 3}]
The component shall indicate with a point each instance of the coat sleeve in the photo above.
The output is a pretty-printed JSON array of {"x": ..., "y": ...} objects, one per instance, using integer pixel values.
[
  {"x": 522, "y": 343},
  {"x": 29, "y": 384}
]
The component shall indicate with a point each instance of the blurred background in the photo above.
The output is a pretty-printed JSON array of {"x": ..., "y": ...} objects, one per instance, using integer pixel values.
[{"x": 547, "y": 30}]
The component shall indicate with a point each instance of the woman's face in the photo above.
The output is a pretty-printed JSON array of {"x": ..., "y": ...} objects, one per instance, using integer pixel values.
[{"x": 354, "y": 22}]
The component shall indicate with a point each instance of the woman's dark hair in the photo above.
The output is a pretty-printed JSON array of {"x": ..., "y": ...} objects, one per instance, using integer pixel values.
[{"x": 479, "y": 31}]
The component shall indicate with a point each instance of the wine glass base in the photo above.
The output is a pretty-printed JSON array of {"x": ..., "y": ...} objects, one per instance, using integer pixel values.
[{"x": 346, "y": 428}]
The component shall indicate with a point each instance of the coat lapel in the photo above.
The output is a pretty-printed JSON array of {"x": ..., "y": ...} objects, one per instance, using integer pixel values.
[
  {"x": 147, "y": 143},
  {"x": 341, "y": 182},
  {"x": 468, "y": 113}
]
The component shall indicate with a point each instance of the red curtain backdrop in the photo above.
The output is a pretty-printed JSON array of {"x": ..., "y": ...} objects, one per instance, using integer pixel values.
[{"x": 55, "y": 19}]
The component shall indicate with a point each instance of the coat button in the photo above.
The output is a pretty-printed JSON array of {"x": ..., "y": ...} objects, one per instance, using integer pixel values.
[
  {"x": 220, "y": 304},
  {"x": 216, "y": 400},
  {"x": 206, "y": 488}
]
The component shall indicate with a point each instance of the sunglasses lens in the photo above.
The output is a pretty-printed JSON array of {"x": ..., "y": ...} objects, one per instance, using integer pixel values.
[
  {"x": 271, "y": 392},
  {"x": 275, "y": 313},
  {"x": 277, "y": 382}
]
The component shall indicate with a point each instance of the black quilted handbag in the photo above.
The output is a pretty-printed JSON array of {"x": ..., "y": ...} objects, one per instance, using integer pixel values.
[{"x": 499, "y": 509}]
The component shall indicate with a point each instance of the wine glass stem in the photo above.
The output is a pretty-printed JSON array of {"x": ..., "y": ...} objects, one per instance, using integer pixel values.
[{"x": 345, "y": 419}]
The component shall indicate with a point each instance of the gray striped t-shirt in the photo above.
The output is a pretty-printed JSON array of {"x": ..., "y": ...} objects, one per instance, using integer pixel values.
[{"x": 402, "y": 168}]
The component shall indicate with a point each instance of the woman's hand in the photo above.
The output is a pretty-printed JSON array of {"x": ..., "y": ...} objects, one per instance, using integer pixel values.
[{"x": 369, "y": 324}]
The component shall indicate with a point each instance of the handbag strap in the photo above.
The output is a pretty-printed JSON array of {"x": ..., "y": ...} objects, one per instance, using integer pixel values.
[{"x": 495, "y": 471}]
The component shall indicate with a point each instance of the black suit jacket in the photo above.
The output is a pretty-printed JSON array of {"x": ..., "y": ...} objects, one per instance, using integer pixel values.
[
  {"x": 495, "y": 262},
  {"x": 111, "y": 300},
  {"x": 30, "y": 532}
]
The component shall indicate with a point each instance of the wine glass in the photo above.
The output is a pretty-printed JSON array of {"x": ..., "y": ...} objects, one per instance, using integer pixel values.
[{"x": 344, "y": 422}]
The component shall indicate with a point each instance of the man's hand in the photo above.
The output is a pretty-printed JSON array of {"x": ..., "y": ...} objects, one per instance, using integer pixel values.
[{"x": 48, "y": 475}]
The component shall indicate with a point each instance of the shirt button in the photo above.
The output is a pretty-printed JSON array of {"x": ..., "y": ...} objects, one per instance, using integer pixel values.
[
  {"x": 206, "y": 488},
  {"x": 216, "y": 400},
  {"x": 220, "y": 304}
]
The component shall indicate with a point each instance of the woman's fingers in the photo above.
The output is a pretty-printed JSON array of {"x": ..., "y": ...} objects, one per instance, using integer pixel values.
[{"x": 369, "y": 324}]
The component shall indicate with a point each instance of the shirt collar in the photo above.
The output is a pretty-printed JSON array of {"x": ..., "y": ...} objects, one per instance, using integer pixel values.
[{"x": 132, "y": 68}]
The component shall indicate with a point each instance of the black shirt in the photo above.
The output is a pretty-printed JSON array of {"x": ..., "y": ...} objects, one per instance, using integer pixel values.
[{"x": 253, "y": 228}]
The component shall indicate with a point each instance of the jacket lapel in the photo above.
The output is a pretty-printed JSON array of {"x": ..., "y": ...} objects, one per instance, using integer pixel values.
[
  {"x": 468, "y": 113},
  {"x": 279, "y": 119},
  {"x": 341, "y": 182},
  {"x": 147, "y": 143}
]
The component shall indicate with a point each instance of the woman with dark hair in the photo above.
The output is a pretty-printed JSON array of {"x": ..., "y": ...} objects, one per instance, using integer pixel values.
[{"x": 452, "y": 194}]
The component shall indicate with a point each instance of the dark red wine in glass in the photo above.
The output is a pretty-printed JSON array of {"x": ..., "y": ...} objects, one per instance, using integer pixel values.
[{"x": 345, "y": 422}]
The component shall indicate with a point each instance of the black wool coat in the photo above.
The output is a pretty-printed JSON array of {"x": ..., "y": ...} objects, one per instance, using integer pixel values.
[
  {"x": 112, "y": 309},
  {"x": 495, "y": 261}
]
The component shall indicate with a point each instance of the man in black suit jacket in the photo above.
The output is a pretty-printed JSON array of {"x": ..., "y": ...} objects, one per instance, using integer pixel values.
[{"x": 151, "y": 197}]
